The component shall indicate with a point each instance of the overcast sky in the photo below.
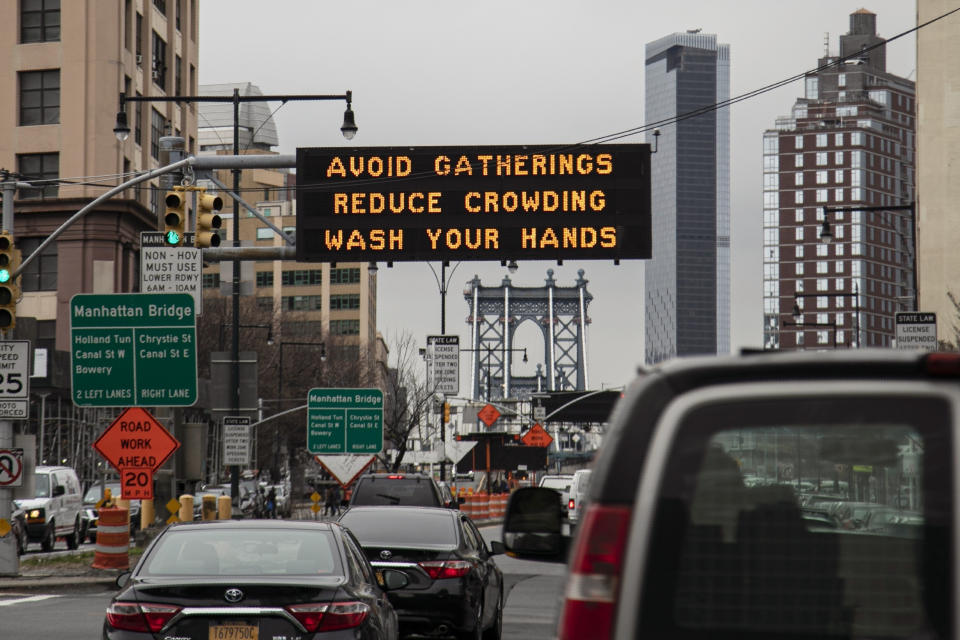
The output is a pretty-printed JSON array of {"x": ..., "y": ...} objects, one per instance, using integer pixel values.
[{"x": 439, "y": 72}]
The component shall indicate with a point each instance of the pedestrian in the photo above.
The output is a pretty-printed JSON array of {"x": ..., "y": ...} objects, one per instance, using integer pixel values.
[
  {"x": 272, "y": 503},
  {"x": 328, "y": 505}
]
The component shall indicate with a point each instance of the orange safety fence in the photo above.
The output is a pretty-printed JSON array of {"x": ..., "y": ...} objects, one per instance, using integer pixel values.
[{"x": 113, "y": 539}]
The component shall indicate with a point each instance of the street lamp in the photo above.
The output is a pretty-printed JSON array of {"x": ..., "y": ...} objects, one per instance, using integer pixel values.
[{"x": 348, "y": 129}]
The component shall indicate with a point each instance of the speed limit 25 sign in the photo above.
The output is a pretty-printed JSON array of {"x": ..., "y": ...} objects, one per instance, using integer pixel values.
[
  {"x": 14, "y": 378},
  {"x": 136, "y": 483}
]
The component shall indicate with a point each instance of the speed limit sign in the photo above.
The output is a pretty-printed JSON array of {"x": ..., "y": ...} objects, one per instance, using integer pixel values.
[
  {"x": 136, "y": 483},
  {"x": 14, "y": 378}
]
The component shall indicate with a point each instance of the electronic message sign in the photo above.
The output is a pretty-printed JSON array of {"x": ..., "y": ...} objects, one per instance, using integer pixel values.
[{"x": 473, "y": 203}]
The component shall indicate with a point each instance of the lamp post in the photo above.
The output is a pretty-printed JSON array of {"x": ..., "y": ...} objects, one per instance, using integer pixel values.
[
  {"x": 908, "y": 210},
  {"x": 348, "y": 129},
  {"x": 797, "y": 313},
  {"x": 281, "y": 345},
  {"x": 442, "y": 283}
]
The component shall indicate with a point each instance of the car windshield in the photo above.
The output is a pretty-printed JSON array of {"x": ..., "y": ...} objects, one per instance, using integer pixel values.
[
  {"x": 243, "y": 552},
  {"x": 416, "y": 528},
  {"x": 42, "y": 484},
  {"x": 95, "y": 493},
  {"x": 395, "y": 491}
]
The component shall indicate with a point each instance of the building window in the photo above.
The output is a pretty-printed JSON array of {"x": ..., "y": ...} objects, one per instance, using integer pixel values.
[
  {"x": 39, "y": 166},
  {"x": 264, "y": 233},
  {"x": 798, "y": 178},
  {"x": 822, "y": 158},
  {"x": 137, "y": 120},
  {"x": 344, "y": 327},
  {"x": 178, "y": 10},
  {"x": 841, "y": 81},
  {"x": 348, "y": 301},
  {"x": 798, "y": 197},
  {"x": 798, "y": 251},
  {"x": 838, "y": 139},
  {"x": 838, "y": 157},
  {"x": 823, "y": 177},
  {"x": 821, "y": 139},
  {"x": 821, "y": 195},
  {"x": 139, "y": 39},
  {"x": 41, "y": 273},
  {"x": 39, "y": 97},
  {"x": 157, "y": 122},
  {"x": 799, "y": 268},
  {"x": 798, "y": 216},
  {"x": 812, "y": 88},
  {"x": 159, "y": 69},
  {"x": 161, "y": 6},
  {"x": 798, "y": 160},
  {"x": 39, "y": 21},
  {"x": 302, "y": 277},
  {"x": 798, "y": 142},
  {"x": 264, "y": 278},
  {"x": 823, "y": 267},
  {"x": 345, "y": 276},
  {"x": 798, "y": 233},
  {"x": 177, "y": 75},
  {"x": 838, "y": 195}
]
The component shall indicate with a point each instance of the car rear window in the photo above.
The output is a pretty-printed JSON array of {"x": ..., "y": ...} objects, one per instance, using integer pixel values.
[
  {"x": 777, "y": 518},
  {"x": 417, "y": 528},
  {"x": 395, "y": 491},
  {"x": 560, "y": 484},
  {"x": 215, "y": 551}
]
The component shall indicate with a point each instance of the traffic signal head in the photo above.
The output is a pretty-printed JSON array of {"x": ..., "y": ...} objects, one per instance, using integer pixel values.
[
  {"x": 9, "y": 292},
  {"x": 446, "y": 412},
  {"x": 208, "y": 221},
  {"x": 174, "y": 218}
]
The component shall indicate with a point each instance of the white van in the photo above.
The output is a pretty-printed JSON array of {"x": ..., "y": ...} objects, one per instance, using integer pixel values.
[
  {"x": 579, "y": 488},
  {"x": 56, "y": 510}
]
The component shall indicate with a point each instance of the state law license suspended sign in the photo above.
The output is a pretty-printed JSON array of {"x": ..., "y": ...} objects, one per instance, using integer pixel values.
[{"x": 473, "y": 203}]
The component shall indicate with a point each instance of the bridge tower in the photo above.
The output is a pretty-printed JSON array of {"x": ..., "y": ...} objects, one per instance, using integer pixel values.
[{"x": 495, "y": 315}]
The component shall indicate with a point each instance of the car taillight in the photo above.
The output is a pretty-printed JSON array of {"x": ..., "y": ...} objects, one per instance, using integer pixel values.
[
  {"x": 590, "y": 601},
  {"x": 131, "y": 616},
  {"x": 438, "y": 569},
  {"x": 395, "y": 477},
  {"x": 329, "y": 616},
  {"x": 942, "y": 364},
  {"x": 571, "y": 504}
]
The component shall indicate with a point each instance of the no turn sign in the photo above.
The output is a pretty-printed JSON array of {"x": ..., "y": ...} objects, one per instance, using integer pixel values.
[{"x": 11, "y": 467}]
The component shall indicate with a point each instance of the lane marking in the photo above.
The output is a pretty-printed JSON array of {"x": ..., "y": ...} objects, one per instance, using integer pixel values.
[{"x": 5, "y": 603}]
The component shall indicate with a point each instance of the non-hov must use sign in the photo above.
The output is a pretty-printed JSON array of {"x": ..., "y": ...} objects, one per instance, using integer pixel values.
[
  {"x": 344, "y": 421},
  {"x": 133, "y": 349}
]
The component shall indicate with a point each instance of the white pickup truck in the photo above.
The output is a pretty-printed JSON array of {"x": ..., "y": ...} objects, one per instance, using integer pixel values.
[{"x": 795, "y": 495}]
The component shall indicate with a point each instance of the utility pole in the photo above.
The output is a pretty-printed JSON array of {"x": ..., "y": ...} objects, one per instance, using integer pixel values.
[
  {"x": 443, "y": 332},
  {"x": 9, "y": 559}
]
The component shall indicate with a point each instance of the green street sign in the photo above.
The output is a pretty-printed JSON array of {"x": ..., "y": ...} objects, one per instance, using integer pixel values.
[
  {"x": 133, "y": 350},
  {"x": 344, "y": 421}
]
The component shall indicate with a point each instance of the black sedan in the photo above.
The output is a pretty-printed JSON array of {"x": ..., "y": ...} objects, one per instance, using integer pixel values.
[
  {"x": 455, "y": 587},
  {"x": 252, "y": 580}
]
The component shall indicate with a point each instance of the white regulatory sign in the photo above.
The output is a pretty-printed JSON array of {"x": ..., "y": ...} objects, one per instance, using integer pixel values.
[
  {"x": 166, "y": 269},
  {"x": 917, "y": 330},
  {"x": 11, "y": 467},
  {"x": 236, "y": 441},
  {"x": 14, "y": 378},
  {"x": 443, "y": 364}
]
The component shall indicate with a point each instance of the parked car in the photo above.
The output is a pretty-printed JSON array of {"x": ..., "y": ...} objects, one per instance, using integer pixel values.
[
  {"x": 91, "y": 512},
  {"x": 396, "y": 489},
  {"x": 56, "y": 510},
  {"x": 455, "y": 586},
  {"x": 246, "y": 579},
  {"x": 675, "y": 544}
]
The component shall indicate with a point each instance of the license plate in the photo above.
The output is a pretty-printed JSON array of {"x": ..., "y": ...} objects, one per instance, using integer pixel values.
[{"x": 233, "y": 632}]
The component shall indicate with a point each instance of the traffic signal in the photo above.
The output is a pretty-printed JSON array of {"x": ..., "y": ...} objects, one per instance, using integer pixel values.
[
  {"x": 208, "y": 220},
  {"x": 446, "y": 412},
  {"x": 174, "y": 218},
  {"x": 9, "y": 292}
]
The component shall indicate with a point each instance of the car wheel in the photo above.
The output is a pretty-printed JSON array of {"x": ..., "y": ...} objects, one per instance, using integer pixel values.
[
  {"x": 73, "y": 540},
  {"x": 49, "y": 538},
  {"x": 495, "y": 632}
]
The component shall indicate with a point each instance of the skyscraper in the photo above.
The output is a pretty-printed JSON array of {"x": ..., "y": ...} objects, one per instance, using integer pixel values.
[
  {"x": 842, "y": 161},
  {"x": 687, "y": 280}
]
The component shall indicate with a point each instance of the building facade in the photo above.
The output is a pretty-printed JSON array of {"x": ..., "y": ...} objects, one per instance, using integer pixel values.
[
  {"x": 841, "y": 162},
  {"x": 938, "y": 165},
  {"x": 687, "y": 280}
]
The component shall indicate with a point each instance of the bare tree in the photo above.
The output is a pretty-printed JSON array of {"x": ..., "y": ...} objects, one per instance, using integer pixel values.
[{"x": 406, "y": 399}]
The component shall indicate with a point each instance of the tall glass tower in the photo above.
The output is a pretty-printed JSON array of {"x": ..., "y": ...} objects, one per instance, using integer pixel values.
[{"x": 687, "y": 280}]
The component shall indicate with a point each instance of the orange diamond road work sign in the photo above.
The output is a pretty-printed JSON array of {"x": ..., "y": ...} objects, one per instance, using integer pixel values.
[
  {"x": 488, "y": 415},
  {"x": 136, "y": 440},
  {"x": 537, "y": 436}
]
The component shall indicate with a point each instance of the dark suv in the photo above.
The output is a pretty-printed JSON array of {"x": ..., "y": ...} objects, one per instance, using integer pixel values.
[
  {"x": 405, "y": 489},
  {"x": 697, "y": 523}
]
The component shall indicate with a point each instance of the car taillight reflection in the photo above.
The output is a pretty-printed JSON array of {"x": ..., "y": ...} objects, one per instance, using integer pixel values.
[
  {"x": 571, "y": 504},
  {"x": 329, "y": 616},
  {"x": 590, "y": 600},
  {"x": 131, "y": 616},
  {"x": 438, "y": 569}
]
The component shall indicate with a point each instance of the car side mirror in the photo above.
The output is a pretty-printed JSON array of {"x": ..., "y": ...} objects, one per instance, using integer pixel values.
[
  {"x": 123, "y": 579},
  {"x": 533, "y": 525},
  {"x": 59, "y": 490},
  {"x": 391, "y": 579},
  {"x": 497, "y": 548}
]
